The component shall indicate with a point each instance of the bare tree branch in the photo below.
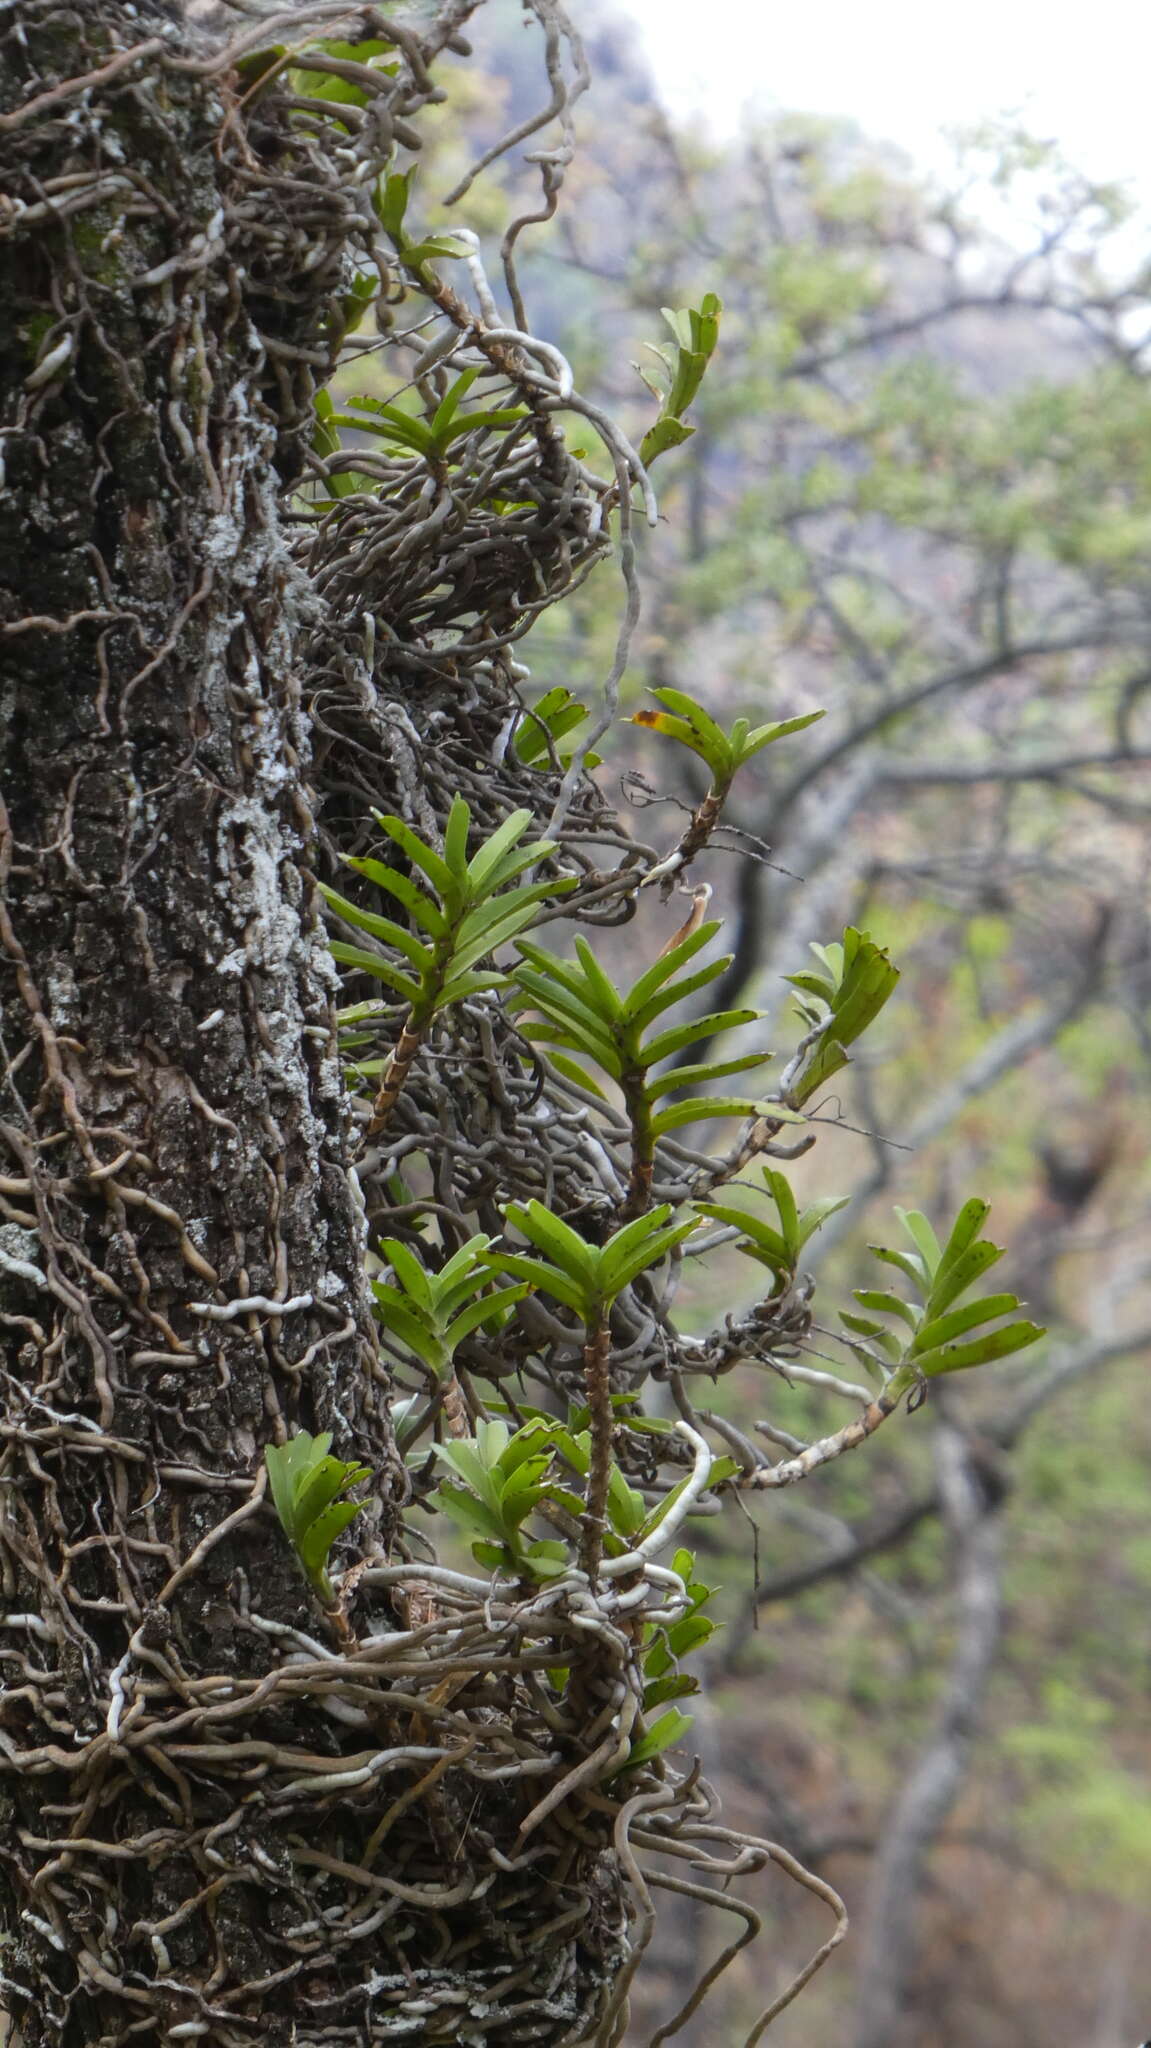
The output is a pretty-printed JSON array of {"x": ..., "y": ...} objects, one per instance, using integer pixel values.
[{"x": 1045, "y": 769}]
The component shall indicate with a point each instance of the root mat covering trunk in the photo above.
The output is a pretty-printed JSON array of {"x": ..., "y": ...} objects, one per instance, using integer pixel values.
[{"x": 171, "y": 1117}]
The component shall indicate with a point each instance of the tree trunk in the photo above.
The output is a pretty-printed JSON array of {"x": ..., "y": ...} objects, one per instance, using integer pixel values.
[
  {"x": 930, "y": 1787},
  {"x": 171, "y": 1117}
]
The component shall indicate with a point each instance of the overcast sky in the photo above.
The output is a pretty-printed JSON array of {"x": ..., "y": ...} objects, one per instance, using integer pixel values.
[{"x": 904, "y": 68}]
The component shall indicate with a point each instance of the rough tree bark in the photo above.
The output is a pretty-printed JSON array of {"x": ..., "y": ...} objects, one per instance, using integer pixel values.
[{"x": 171, "y": 1118}]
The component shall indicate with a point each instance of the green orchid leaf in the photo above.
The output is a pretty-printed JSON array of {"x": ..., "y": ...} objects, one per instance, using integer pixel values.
[
  {"x": 383, "y": 928},
  {"x": 690, "y": 1633},
  {"x": 496, "y": 418},
  {"x": 375, "y": 965},
  {"x": 663, "y": 1734},
  {"x": 556, "y": 715},
  {"x": 314, "y": 1546},
  {"x": 691, "y": 724},
  {"x": 665, "y": 969},
  {"x": 462, "y": 986},
  {"x": 626, "y": 1506},
  {"x": 538, "y": 1273},
  {"x": 400, "y": 1319},
  {"x": 484, "y": 863},
  {"x": 617, "y": 1253},
  {"x": 666, "y": 433},
  {"x": 325, "y": 1480},
  {"x": 452, "y": 400},
  {"x": 288, "y": 1464},
  {"x": 882, "y": 1303},
  {"x": 605, "y": 997},
  {"x": 417, "y": 253},
  {"x": 673, "y": 992},
  {"x": 562, "y": 1029},
  {"x": 387, "y": 423},
  {"x": 862, "y": 1326},
  {"x": 707, "y": 1070},
  {"x": 779, "y": 1188},
  {"x": 760, "y": 1239},
  {"x": 908, "y": 1263},
  {"x": 409, "y": 1271},
  {"x": 964, "y": 1231},
  {"x": 414, "y": 899},
  {"x": 467, "y": 1512},
  {"x": 673, "y": 1040},
  {"x": 466, "y": 1459},
  {"x": 922, "y": 1236},
  {"x": 765, "y": 735},
  {"x": 649, "y": 1254},
  {"x": 876, "y": 1336},
  {"x": 944, "y": 1329},
  {"x": 533, "y": 1440},
  {"x": 492, "y": 1308},
  {"x": 305, "y": 1481},
  {"x": 558, "y": 1241},
  {"x": 964, "y": 1271},
  {"x": 826, "y": 1060},
  {"x": 523, "y": 1493},
  {"x": 422, "y": 856},
  {"x": 391, "y": 200},
  {"x": 817, "y": 1213},
  {"x": 546, "y": 1559},
  {"x": 572, "y": 1071},
  {"x": 677, "y": 1687},
  {"x": 698, "y": 1109},
  {"x": 995, "y": 1344},
  {"x": 456, "y": 829}
]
